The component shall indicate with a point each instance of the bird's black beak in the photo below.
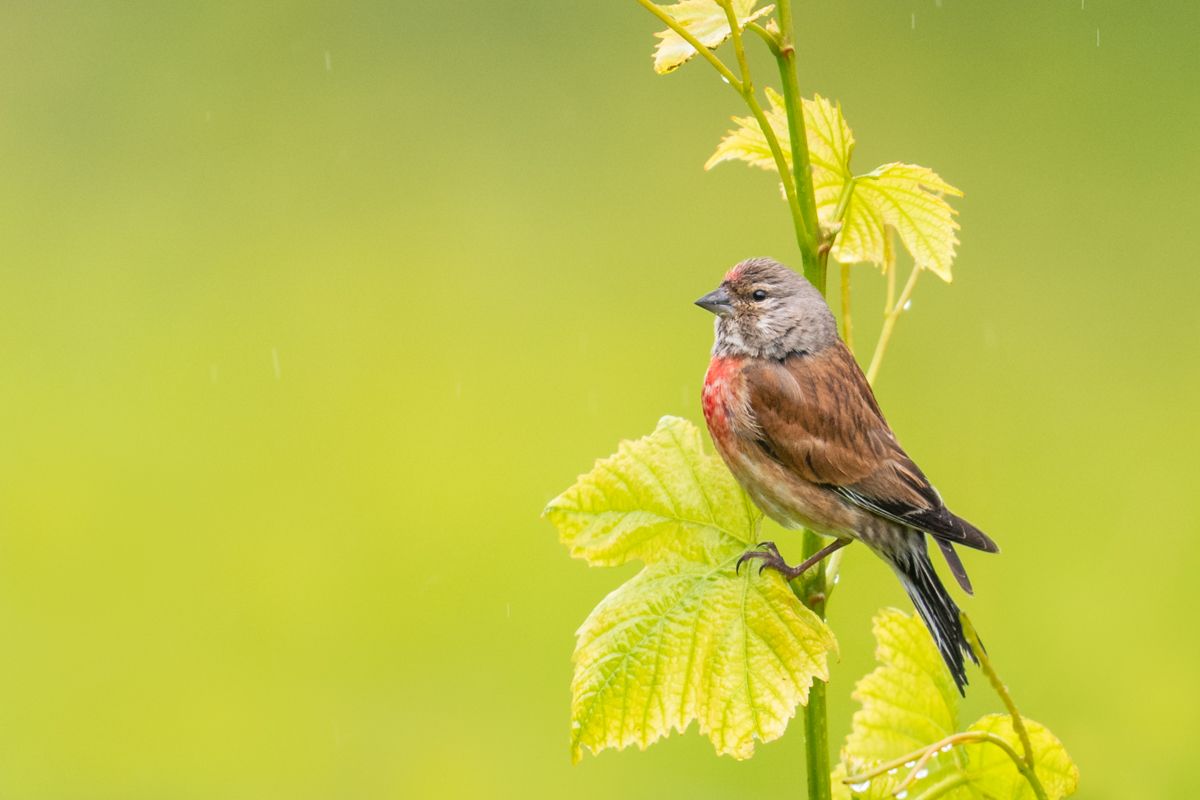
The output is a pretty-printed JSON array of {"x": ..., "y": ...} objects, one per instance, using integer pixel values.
[{"x": 717, "y": 301}]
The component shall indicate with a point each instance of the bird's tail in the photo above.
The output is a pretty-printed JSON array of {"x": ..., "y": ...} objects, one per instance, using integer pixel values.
[{"x": 937, "y": 609}]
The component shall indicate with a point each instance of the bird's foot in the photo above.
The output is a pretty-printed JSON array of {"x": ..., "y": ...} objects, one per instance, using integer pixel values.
[{"x": 768, "y": 554}]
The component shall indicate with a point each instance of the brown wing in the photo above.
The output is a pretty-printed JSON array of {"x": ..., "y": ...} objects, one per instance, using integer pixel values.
[{"x": 818, "y": 416}]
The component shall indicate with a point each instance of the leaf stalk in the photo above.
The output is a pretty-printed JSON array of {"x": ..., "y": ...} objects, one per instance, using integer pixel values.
[
  {"x": 768, "y": 38},
  {"x": 985, "y": 663},
  {"x": 945, "y": 785},
  {"x": 889, "y": 321},
  {"x": 918, "y": 758},
  {"x": 847, "y": 323}
]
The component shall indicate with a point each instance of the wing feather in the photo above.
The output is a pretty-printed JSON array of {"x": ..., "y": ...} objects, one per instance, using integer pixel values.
[{"x": 819, "y": 418}]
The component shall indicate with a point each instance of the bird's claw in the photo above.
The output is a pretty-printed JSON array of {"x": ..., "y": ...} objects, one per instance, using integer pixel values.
[{"x": 768, "y": 552}]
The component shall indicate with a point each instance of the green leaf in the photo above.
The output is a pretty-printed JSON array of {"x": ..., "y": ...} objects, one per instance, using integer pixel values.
[
  {"x": 659, "y": 495},
  {"x": 686, "y": 641},
  {"x": 908, "y": 704},
  {"x": 687, "y": 638},
  {"x": 830, "y": 145},
  {"x": 992, "y": 771},
  {"x": 906, "y": 197},
  {"x": 909, "y": 700},
  {"x": 706, "y": 21},
  {"x": 748, "y": 143},
  {"x": 911, "y": 200}
]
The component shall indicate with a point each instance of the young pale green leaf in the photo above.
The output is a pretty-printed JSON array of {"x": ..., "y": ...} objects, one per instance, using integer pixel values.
[
  {"x": 909, "y": 700},
  {"x": 909, "y": 703},
  {"x": 830, "y": 145},
  {"x": 905, "y": 197},
  {"x": 685, "y": 641},
  {"x": 910, "y": 199},
  {"x": 687, "y": 638},
  {"x": 707, "y": 22},
  {"x": 748, "y": 143},
  {"x": 992, "y": 773},
  {"x": 657, "y": 496}
]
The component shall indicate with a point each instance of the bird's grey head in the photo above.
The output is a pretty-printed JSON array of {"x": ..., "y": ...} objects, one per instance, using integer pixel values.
[{"x": 765, "y": 310}]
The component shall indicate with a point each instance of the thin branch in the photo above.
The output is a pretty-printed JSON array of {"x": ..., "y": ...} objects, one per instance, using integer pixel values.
[
  {"x": 839, "y": 215},
  {"x": 909, "y": 758},
  {"x": 919, "y": 757},
  {"x": 949, "y": 783},
  {"x": 847, "y": 324},
  {"x": 889, "y": 266},
  {"x": 915, "y": 772},
  {"x": 889, "y": 323},
  {"x": 735, "y": 33},
  {"x": 985, "y": 664},
  {"x": 768, "y": 38}
]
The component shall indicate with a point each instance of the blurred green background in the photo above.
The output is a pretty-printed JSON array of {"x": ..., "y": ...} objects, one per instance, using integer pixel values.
[{"x": 308, "y": 309}]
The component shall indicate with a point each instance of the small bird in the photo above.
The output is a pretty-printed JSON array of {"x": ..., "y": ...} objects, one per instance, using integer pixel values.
[{"x": 794, "y": 418}]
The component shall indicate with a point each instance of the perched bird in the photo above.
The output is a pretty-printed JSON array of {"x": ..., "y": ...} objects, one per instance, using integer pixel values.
[{"x": 793, "y": 416}]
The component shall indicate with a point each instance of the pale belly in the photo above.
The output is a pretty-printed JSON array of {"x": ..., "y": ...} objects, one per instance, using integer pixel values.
[{"x": 791, "y": 501}]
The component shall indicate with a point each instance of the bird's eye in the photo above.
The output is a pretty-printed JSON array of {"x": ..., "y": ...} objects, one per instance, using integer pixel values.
[{"x": 759, "y": 295}]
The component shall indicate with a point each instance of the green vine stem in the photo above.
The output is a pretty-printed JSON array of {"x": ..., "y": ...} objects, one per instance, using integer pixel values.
[
  {"x": 811, "y": 588},
  {"x": 813, "y": 257},
  {"x": 889, "y": 320},
  {"x": 889, "y": 267},
  {"x": 839, "y": 215},
  {"x": 985, "y": 663}
]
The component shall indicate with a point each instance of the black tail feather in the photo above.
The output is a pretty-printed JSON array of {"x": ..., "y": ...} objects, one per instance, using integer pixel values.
[
  {"x": 934, "y": 604},
  {"x": 956, "y": 565}
]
